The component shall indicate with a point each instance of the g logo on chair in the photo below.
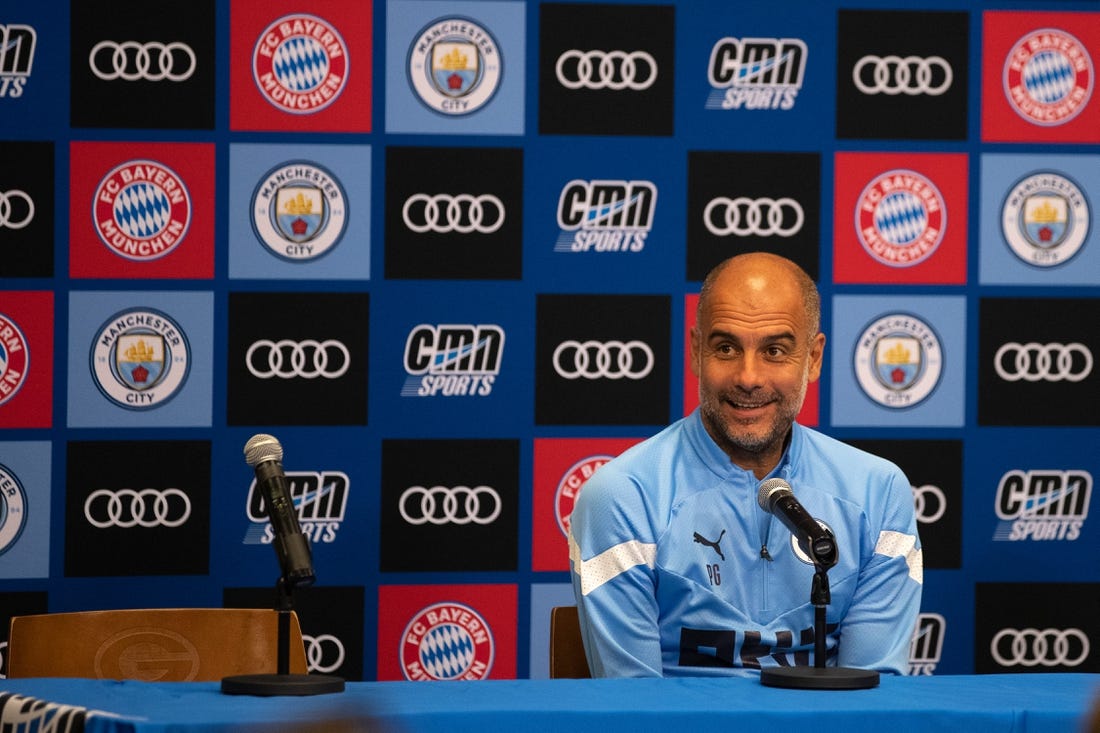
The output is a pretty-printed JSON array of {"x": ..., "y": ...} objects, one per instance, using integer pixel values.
[{"x": 148, "y": 654}]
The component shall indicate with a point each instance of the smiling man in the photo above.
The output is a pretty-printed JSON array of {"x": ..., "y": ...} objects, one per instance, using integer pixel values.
[{"x": 676, "y": 568}]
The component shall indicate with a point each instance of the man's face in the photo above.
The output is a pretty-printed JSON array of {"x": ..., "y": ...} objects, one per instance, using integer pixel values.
[{"x": 754, "y": 355}]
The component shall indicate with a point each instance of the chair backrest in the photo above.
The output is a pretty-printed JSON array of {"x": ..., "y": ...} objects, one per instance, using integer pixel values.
[
  {"x": 157, "y": 644},
  {"x": 567, "y": 658}
]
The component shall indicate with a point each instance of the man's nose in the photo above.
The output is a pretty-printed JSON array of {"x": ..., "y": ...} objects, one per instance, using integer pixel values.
[{"x": 748, "y": 373}]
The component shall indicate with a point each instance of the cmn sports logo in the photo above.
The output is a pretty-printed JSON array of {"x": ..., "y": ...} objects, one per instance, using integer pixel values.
[{"x": 1042, "y": 505}]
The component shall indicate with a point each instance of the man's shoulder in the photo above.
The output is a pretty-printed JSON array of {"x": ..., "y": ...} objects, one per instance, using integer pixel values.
[
  {"x": 640, "y": 468},
  {"x": 817, "y": 446}
]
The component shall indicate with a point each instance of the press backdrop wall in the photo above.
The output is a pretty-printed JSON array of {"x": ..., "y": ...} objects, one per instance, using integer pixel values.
[{"x": 448, "y": 254}]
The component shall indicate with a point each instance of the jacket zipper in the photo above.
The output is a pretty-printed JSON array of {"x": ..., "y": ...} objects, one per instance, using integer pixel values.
[{"x": 765, "y": 571}]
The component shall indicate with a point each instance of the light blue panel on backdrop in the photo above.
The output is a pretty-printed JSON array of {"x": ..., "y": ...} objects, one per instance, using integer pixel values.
[
  {"x": 25, "y": 475},
  {"x": 1057, "y": 198},
  {"x": 500, "y": 24},
  {"x": 337, "y": 249},
  {"x": 940, "y": 402},
  {"x": 185, "y": 400}
]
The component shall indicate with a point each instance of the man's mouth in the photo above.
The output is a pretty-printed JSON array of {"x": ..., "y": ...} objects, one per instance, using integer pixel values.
[{"x": 748, "y": 406}]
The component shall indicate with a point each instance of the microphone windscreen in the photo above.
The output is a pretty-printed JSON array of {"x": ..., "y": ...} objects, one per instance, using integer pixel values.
[
  {"x": 262, "y": 447},
  {"x": 767, "y": 489}
]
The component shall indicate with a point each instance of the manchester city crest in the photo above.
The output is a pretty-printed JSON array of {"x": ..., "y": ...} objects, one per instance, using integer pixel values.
[
  {"x": 898, "y": 360},
  {"x": 455, "y": 66},
  {"x": 140, "y": 358},
  {"x": 13, "y": 508},
  {"x": 299, "y": 211},
  {"x": 1045, "y": 219}
]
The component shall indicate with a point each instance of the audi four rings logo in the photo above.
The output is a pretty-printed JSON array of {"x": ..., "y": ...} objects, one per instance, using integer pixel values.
[
  {"x": 635, "y": 70},
  {"x": 1034, "y": 362},
  {"x": 1035, "y": 647},
  {"x": 13, "y": 216},
  {"x": 895, "y": 75},
  {"x": 762, "y": 217},
  {"x": 133, "y": 61},
  {"x": 444, "y": 213},
  {"x": 606, "y": 359},
  {"x": 324, "y": 653},
  {"x": 929, "y": 503},
  {"x": 455, "y": 505},
  {"x": 129, "y": 508},
  {"x": 307, "y": 359}
]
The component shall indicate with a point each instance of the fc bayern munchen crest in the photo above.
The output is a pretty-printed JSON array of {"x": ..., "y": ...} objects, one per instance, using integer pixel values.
[
  {"x": 141, "y": 210},
  {"x": 1048, "y": 77},
  {"x": 1045, "y": 219},
  {"x": 15, "y": 358},
  {"x": 570, "y": 487},
  {"x": 455, "y": 66},
  {"x": 900, "y": 218},
  {"x": 299, "y": 211},
  {"x": 447, "y": 641},
  {"x": 140, "y": 358},
  {"x": 13, "y": 508},
  {"x": 300, "y": 64},
  {"x": 898, "y": 360}
]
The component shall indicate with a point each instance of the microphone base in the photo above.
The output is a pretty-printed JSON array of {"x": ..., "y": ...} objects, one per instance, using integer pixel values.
[
  {"x": 270, "y": 685},
  {"x": 819, "y": 678}
]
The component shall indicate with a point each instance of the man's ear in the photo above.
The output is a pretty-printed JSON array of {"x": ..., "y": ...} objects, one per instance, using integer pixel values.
[
  {"x": 696, "y": 350},
  {"x": 817, "y": 354}
]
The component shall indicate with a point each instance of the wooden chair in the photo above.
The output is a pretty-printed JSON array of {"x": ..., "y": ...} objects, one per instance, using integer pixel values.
[
  {"x": 161, "y": 644},
  {"x": 567, "y": 658}
]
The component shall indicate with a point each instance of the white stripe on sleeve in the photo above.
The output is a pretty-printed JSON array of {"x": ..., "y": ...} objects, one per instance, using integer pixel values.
[
  {"x": 899, "y": 544},
  {"x": 610, "y": 563}
]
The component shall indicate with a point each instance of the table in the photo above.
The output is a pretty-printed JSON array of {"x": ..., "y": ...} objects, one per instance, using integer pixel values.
[{"x": 1020, "y": 703}]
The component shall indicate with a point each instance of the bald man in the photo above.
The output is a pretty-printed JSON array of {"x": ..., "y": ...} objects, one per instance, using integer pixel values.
[{"x": 677, "y": 570}]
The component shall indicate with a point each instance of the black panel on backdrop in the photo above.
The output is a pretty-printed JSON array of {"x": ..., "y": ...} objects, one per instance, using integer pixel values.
[
  {"x": 902, "y": 74},
  {"x": 454, "y": 213},
  {"x": 602, "y": 359},
  {"x": 26, "y": 209},
  {"x": 18, "y": 603},
  {"x": 750, "y": 202},
  {"x": 450, "y": 505},
  {"x": 606, "y": 69},
  {"x": 137, "y": 508},
  {"x": 1036, "y": 627},
  {"x": 934, "y": 468},
  {"x": 297, "y": 358},
  {"x": 141, "y": 64},
  {"x": 331, "y": 618},
  {"x": 1037, "y": 361}
]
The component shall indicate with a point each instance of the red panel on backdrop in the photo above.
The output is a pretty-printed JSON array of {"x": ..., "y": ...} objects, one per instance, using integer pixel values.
[
  {"x": 419, "y": 624},
  {"x": 105, "y": 238},
  {"x": 900, "y": 218},
  {"x": 26, "y": 359},
  {"x": 1039, "y": 77},
  {"x": 562, "y": 465},
  {"x": 266, "y": 97}
]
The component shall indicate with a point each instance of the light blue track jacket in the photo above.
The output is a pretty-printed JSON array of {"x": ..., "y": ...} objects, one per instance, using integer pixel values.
[{"x": 678, "y": 571}]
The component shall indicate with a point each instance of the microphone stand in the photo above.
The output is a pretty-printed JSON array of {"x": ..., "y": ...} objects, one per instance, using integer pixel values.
[
  {"x": 819, "y": 677},
  {"x": 282, "y": 682}
]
